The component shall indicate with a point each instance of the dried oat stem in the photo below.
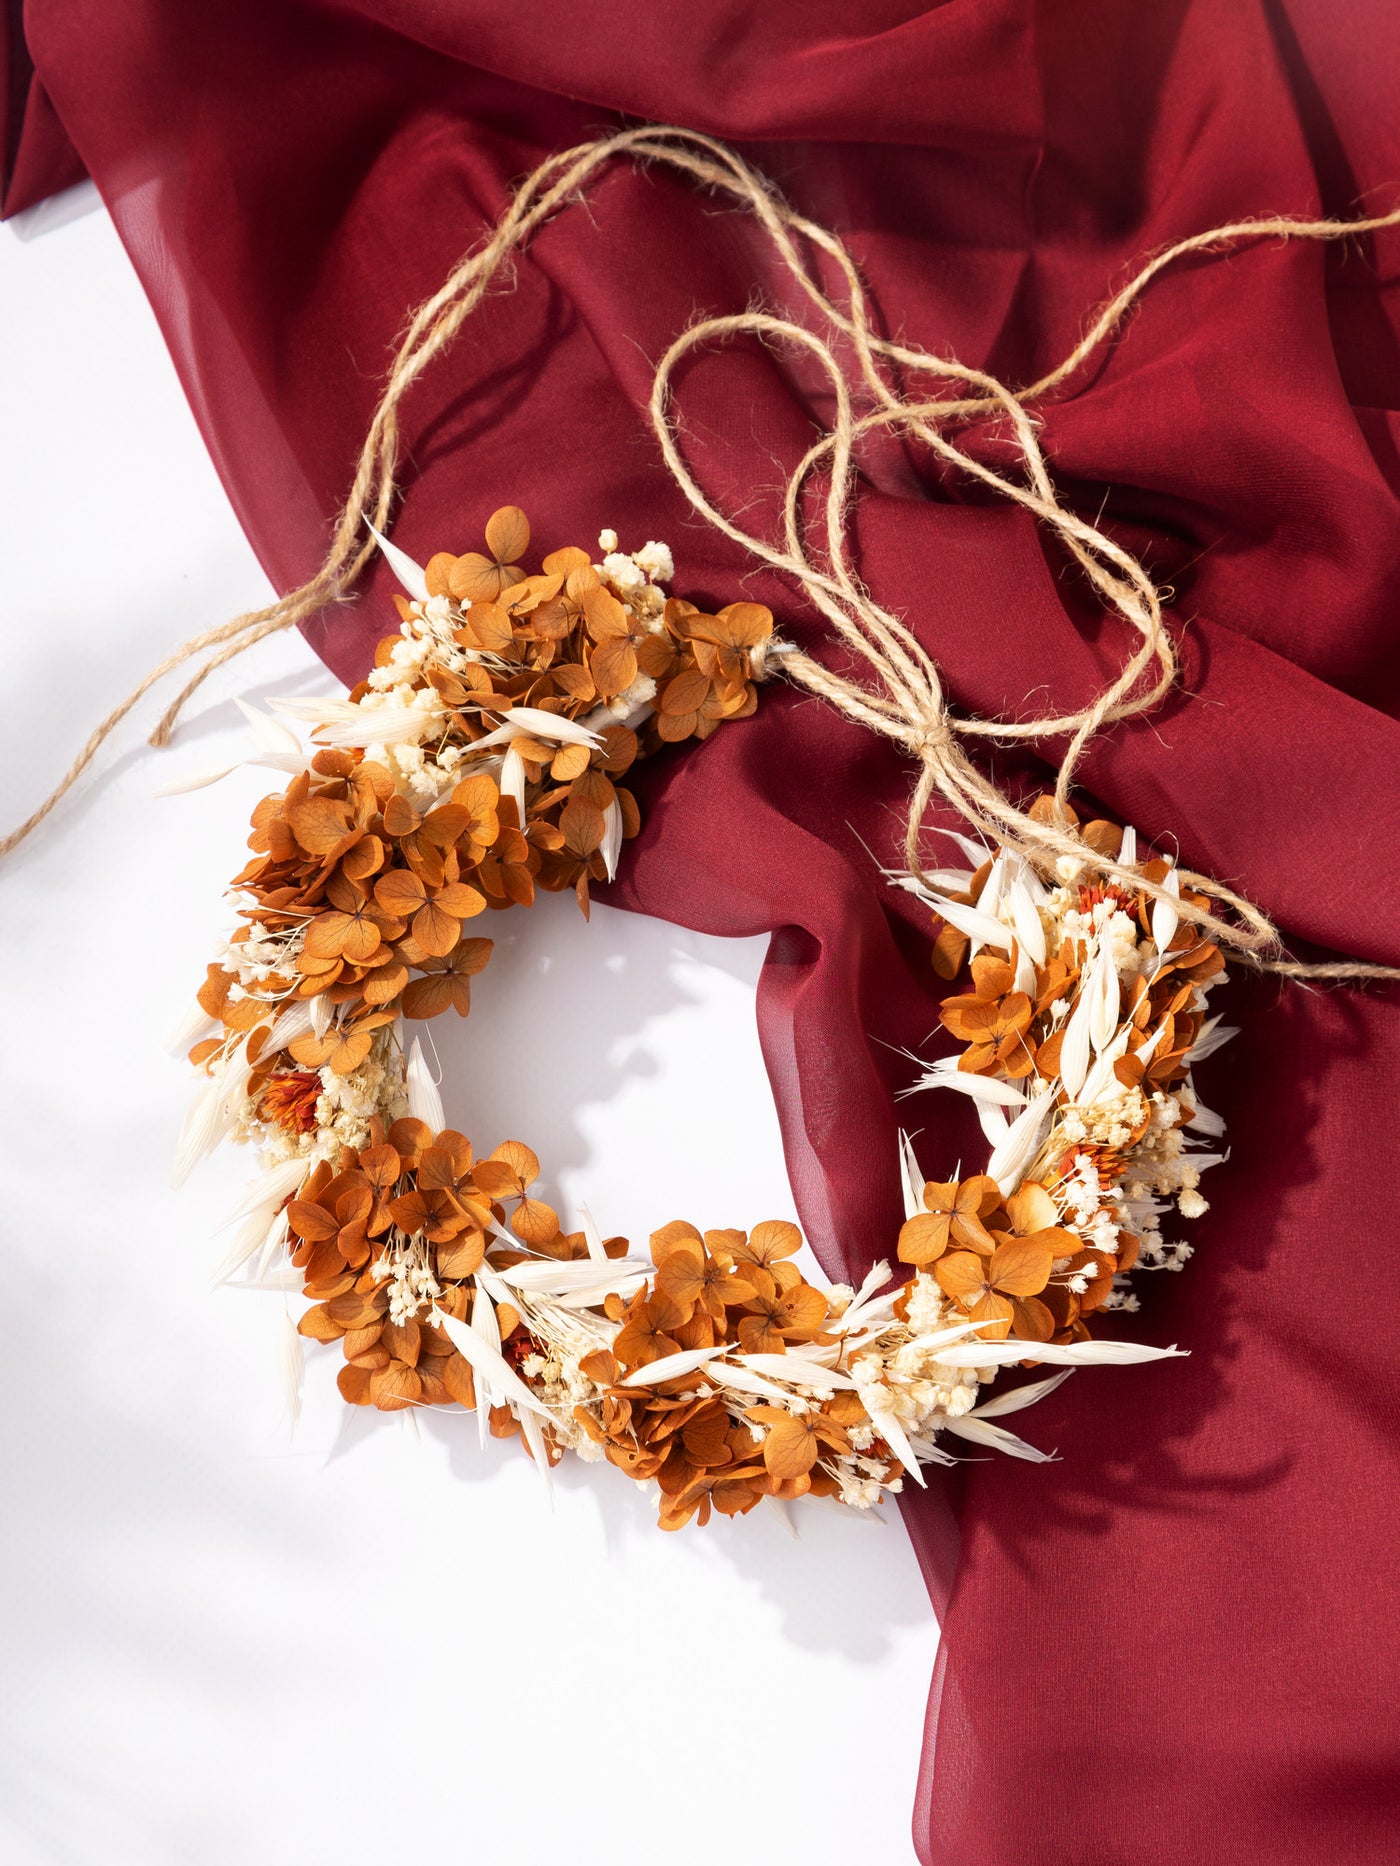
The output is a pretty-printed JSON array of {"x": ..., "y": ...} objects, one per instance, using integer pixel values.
[{"x": 905, "y": 701}]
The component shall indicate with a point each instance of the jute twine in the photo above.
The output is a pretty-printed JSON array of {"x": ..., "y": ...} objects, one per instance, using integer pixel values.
[{"x": 902, "y": 695}]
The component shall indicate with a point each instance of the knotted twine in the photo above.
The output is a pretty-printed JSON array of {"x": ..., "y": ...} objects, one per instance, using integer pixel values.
[{"x": 904, "y": 699}]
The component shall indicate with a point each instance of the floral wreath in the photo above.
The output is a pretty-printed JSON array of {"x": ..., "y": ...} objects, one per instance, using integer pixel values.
[{"x": 483, "y": 758}]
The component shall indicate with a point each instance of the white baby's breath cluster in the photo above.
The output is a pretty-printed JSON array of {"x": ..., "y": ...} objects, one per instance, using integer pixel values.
[
  {"x": 375, "y": 1091},
  {"x": 637, "y": 580},
  {"x": 343, "y": 1110},
  {"x": 411, "y": 1286},
  {"x": 561, "y": 1385},
  {"x": 909, "y": 1391},
  {"x": 264, "y": 953},
  {"x": 423, "y": 762}
]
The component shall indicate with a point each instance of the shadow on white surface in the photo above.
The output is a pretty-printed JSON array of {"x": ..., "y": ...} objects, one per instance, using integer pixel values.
[{"x": 59, "y": 211}]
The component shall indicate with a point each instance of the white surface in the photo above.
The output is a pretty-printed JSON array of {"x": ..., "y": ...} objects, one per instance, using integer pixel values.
[{"x": 225, "y": 1648}]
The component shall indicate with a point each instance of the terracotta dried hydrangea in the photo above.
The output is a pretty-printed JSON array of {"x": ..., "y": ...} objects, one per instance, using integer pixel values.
[
  {"x": 1084, "y": 1011},
  {"x": 489, "y": 746}
]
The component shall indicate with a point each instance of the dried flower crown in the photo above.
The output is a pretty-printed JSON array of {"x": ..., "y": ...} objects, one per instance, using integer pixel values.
[{"x": 483, "y": 758}]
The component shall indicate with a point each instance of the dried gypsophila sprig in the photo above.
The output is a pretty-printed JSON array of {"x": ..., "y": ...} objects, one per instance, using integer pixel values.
[{"x": 475, "y": 762}]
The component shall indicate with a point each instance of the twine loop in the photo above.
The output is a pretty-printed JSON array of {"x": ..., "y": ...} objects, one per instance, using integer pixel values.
[{"x": 894, "y": 686}]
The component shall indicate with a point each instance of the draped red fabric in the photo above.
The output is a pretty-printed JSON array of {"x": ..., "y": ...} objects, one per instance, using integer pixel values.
[{"x": 1178, "y": 1642}]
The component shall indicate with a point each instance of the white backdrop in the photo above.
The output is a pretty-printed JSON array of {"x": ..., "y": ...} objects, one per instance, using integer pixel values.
[{"x": 226, "y": 1645}]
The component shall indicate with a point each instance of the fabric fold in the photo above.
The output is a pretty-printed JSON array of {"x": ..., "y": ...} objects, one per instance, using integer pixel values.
[
  {"x": 1184, "y": 1614},
  {"x": 36, "y": 158}
]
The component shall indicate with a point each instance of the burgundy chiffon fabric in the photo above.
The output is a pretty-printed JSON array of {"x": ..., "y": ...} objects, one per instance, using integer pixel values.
[{"x": 1179, "y": 1642}]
